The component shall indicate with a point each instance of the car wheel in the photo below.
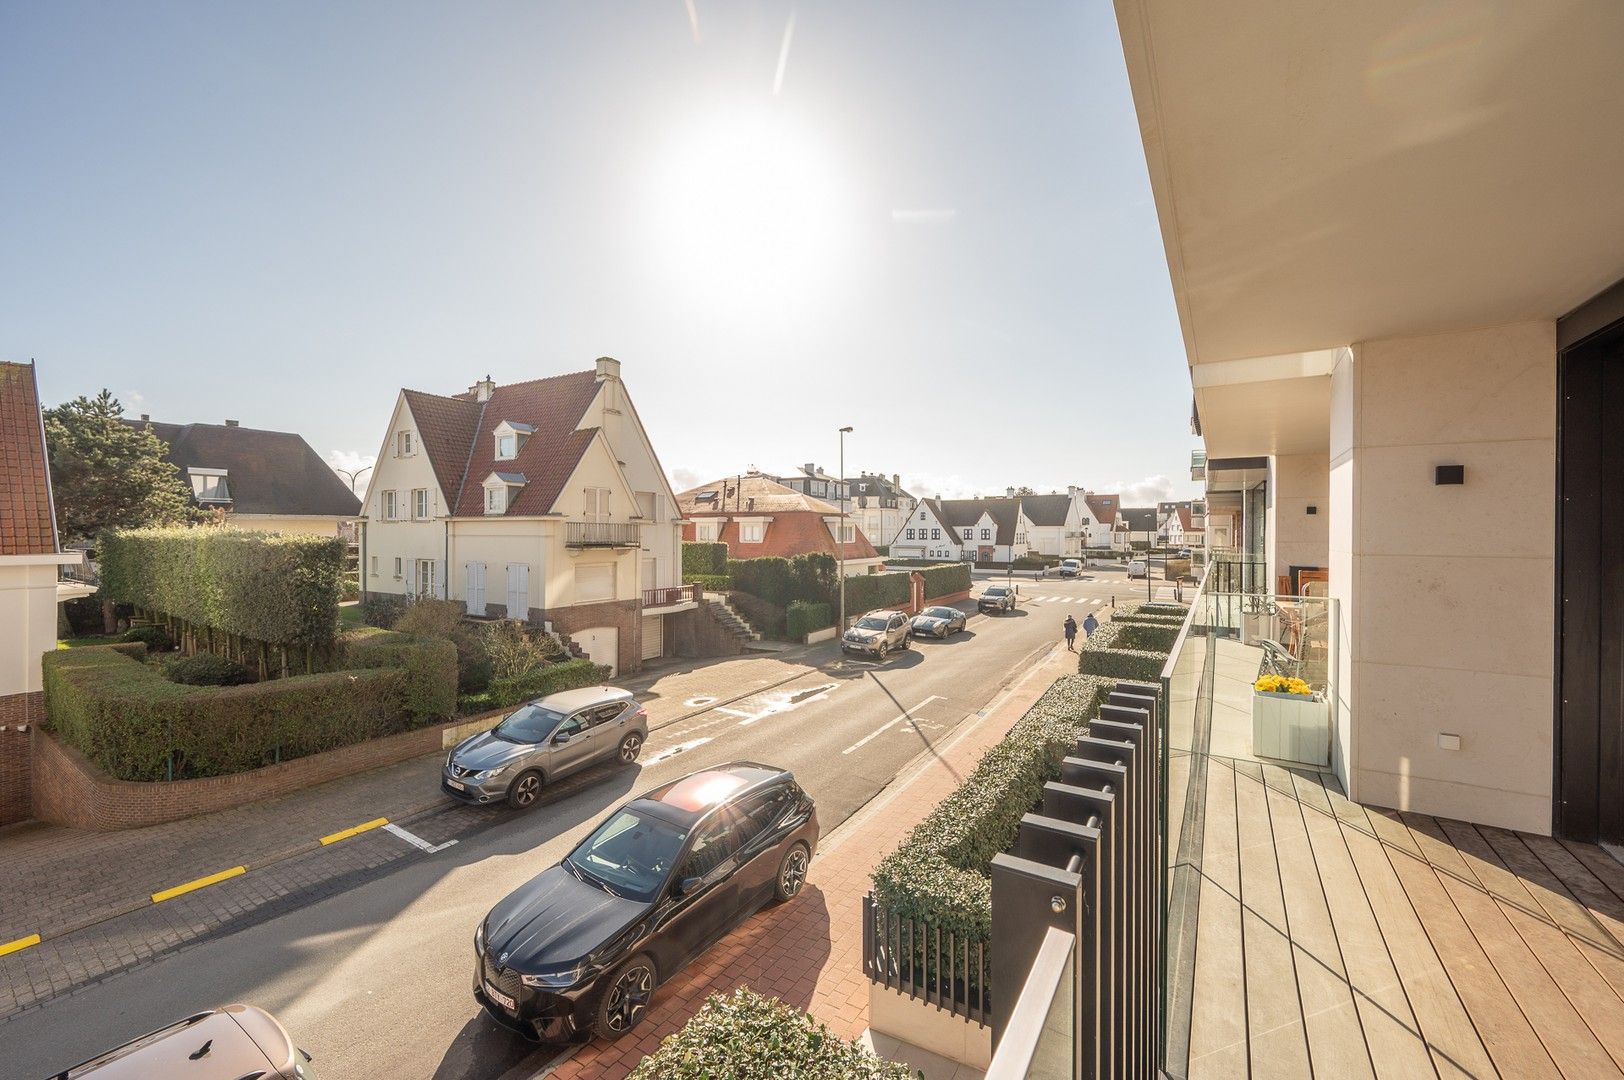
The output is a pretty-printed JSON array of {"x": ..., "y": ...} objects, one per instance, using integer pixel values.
[
  {"x": 885, "y": 649},
  {"x": 524, "y": 791},
  {"x": 792, "y": 873},
  {"x": 630, "y": 747},
  {"x": 625, "y": 998}
]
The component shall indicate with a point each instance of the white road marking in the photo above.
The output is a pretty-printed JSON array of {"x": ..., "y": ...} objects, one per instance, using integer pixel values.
[
  {"x": 415, "y": 840},
  {"x": 672, "y": 751},
  {"x": 883, "y": 728},
  {"x": 736, "y": 712}
]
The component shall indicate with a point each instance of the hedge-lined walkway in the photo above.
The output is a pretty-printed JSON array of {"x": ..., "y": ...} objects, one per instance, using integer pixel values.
[{"x": 809, "y": 953}]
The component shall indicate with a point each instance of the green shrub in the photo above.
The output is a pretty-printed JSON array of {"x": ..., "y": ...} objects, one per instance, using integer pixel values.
[
  {"x": 745, "y": 1036},
  {"x": 135, "y": 724},
  {"x": 767, "y": 618},
  {"x": 940, "y": 872},
  {"x": 1147, "y": 620},
  {"x": 551, "y": 679},
  {"x": 206, "y": 669},
  {"x": 444, "y": 620},
  {"x": 383, "y": 610},
  {"x": 703, "y": 558},
  {"x": 946, "y": 579},
  {"x": 802, "y": 617},
  {"x": 718, "y": 583},
  {"x": 780, "y": 581},
  {"x": 277, "y": 588},
  {"x": 428, "y": 666},
  {"x": 1127, "y": 650},
  {"x": 870, "y": 591},
  {"x": 154, "y": 637},
  {"x": 513, "y": 649},
  {"x": 1035, "y": 562}
]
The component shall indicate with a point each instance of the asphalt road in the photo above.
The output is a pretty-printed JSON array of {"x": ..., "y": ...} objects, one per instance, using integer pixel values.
[{"x": 375, "y": 981}]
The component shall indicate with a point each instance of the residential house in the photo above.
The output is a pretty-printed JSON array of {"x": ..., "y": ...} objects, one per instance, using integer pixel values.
[
  {"x": 263, "y": 480},
  {"x": 1103, "y": 511},
  {"x": 540, "y": 500},
  {"x": 757, "y": 517},
  {"x": 1177, "y": 528},
  {"x": 879, "y": 505},
  {"x": 928, "y": 534},
  {"x": 31, "y": 559},
  {"x": 812, "y": 480},
  {"x": 1055, "y": 524},
  {"x": 973, "y": 530},
  {"x": 1136, "y": 525}
]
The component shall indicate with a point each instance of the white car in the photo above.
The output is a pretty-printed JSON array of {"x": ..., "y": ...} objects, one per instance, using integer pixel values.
[{"x": 1138, "y": 568}]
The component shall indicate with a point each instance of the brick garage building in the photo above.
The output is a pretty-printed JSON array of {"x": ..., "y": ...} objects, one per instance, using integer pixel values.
[{"x": 30, "y": 557}]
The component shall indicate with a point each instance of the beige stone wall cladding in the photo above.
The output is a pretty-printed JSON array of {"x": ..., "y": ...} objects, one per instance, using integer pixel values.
[
  {"x": 1448, "y": 591},
  {"x": 1296, "y": 537}
]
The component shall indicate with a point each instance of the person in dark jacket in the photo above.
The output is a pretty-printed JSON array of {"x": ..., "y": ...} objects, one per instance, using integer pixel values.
[{"x": 1071, "y": 633}]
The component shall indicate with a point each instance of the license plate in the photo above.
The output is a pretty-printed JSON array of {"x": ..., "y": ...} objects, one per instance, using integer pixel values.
[
  {"x": 456, "y": 784},
  {"x": 500, "y": 998}
]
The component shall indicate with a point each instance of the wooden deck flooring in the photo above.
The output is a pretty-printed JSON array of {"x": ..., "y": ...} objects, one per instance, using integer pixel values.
[{"x": 1334, "y": 940}]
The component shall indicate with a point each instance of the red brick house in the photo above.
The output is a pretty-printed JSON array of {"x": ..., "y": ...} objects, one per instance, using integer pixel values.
[{"x": 757, "y": 517}]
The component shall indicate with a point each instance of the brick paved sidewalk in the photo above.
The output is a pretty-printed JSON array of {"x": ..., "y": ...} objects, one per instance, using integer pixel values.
[{"x": 809, "y": 953}]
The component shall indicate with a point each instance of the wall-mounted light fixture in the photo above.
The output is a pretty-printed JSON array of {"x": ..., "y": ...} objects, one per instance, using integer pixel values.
[
  {"x": 1449, "y": 474},
  {"x": 1313, "y": 510}
]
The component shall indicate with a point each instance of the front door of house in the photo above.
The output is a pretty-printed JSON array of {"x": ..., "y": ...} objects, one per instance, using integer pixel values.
[{"x": 476, "y": 589}]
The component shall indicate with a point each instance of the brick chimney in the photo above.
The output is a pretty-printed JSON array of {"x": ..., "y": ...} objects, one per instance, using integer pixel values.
[
  {"x": 1009, "y": 493},
  {"x": 608, "y": 368},
  {"x": 483, "y": 389},
  {"x": 229, "y": 423}
]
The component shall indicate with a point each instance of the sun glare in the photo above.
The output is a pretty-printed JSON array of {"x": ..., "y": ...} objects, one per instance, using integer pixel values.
[{"x": 748, "y": 209}]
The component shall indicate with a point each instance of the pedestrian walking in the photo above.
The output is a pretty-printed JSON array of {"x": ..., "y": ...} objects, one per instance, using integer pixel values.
[
  {"x": 1071, "y": 633},
  {"x": 1090, "y": 624}
]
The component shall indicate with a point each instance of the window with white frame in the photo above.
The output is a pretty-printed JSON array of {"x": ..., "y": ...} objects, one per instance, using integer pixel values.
[
  {"x": 848, "y": 534},
  {"x": 751, "y": 532},
  {"x": 420, "y": 504},
  {"x": 209, "y": 485},
  {"x": 495, "y": 499},
  {"x": 427, "y": 579},
  {"x": 403, "y": 444},
  {"x": 986, "y": 534},
  {"x": 969, "y": 534},
  {"x": 648, "y": 506},
  {"x": 706, "y": 532},
  {"x": 595, "y": 504},
  {"x": 936, "y": 534},
  {"x": 374, "y": 566},
  {"x": 397, "y": 567},
  {"x": 910, "y": 535},
  {"x": 391, "y": 506}
]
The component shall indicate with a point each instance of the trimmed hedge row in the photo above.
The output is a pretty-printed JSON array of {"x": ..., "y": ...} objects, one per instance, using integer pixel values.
[
  {"x": 709, "y": 582},
  {"x": 940, "y": 871},
  {"x": 429, "y": 666},
  {"x": 869, "y": 591},
  {"x": 802, "y": 617},
  {"x": 946, "y": 579},
  {"x": 552, "y": 679},
  {"x": 801, "y": 577},
  {"x": 745, "y": 1036},
  {"x": 703, "y": 557},
  {"x": 1127, "y": 650},
  {"x": 267, "y": 587}
]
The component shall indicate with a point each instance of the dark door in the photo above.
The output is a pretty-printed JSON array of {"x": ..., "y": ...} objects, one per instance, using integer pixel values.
[
  {"x": 761, "y": 818},
  {"x": 701, "y": 915},
  {"x": 1589, "y": 800}
]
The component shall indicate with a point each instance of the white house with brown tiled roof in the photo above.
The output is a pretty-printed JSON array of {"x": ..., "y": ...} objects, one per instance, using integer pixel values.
[
  {"x": 757, "y": 517},
  {"x": 540, "y": 500}
]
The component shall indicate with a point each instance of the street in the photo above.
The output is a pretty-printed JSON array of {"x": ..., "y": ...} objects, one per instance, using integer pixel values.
[{"x": 374, "y": 980}]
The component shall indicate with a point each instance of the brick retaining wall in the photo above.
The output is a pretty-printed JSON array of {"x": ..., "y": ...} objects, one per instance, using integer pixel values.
[{"x": 19, "y": 715}]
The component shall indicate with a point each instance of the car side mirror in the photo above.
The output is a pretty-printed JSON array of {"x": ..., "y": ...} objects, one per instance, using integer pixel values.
[
  {"x": 561, "y": 738},
  {"x": 689, "y": 885}
]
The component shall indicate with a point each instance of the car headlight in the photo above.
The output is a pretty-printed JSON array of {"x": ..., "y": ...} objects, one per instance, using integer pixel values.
[
  {"x": 491, "y": 774},
  {"x": 558, "y": 980},
  {"x": 479, "y": 937}
]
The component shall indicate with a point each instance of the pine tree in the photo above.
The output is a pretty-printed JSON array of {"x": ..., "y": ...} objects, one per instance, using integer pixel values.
[{"x": 107, "y": 474}]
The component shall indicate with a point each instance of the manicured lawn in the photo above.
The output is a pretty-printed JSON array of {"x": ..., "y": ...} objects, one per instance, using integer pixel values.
[{"x": 349, "y": 615}]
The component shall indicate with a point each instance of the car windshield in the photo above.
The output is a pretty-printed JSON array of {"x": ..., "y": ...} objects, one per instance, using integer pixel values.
[
  {"x": 869, "y": 622},
  {"x": 939, "y": 612},
  {"x": 998, "y": 590},
  {"x": 628, "y": 855},
  {"x": 529, "y": 723}
]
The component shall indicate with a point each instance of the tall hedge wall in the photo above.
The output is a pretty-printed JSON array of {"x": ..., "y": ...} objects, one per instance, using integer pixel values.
[
  {"x": 781, "y": 581},
  {"x": 1127, "y": 650},
  {"x": 701, "y": 557},
  {"x": 268, "y": 587},
  {"x": 870, "y": 591},
  {"x": 946, "y": 579}
]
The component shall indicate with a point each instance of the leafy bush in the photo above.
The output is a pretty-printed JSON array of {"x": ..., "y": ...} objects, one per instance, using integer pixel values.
[
  {"x": 206, "y": 669},
  {"x": 154, "y": 637},
  {"x": 443, "y": 619},
  {"x": 802, "y": 577},
  {"x": 767, "y": 618},
  {"x": 137, "y": 725},
  {"x": 703, "y": 558},
  {"x": 1127, "y": 650},
  {"x": 940, "y": 872},
  {"x": 1154, "y": 608},
  {"x": 719, "y": 583},
  {"x": 1035, "y": 562},
  {"x": 428, "y": 666},
  {"x": 801, "y": 618},
  {"x": 429, "y": 618},
  {"x": 869, "y": 591},
  {"x": 1147, "y": 620},
  {"x": 946, "y": 579},
  {"x": 539, "y": 682},
  {"x": 746, "y": 1036},
  {"x": 383, "y": 610},
  {"x": 514, "y": 649},
  {"x": 277, "y": 588}
]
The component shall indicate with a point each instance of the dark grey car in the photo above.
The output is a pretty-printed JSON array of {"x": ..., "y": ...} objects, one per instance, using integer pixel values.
[{"x": 544, "y": 740}]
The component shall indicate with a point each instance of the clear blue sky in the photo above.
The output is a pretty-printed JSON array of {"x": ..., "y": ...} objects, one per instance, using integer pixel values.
[{"x": 928, "y": 220}]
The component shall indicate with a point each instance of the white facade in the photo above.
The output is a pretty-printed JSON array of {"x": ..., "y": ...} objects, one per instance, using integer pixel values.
[{"x": 925, "y": 536}]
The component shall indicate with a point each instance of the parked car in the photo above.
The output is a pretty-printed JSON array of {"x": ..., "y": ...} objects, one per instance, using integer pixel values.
[
  {"x": 1138, "y": 568},
  {"x": 997, "y": 598},
  {"x": 876, "y": 634},
  {"x": 543, "y": 740},
  {"x": 1069, "y": 567},
  {"x": 227, "y": 1043},
  {"x": 1184, "y": 553},
  {"x": 937, "y": 622},
  {"x": 579, "y": 950}
]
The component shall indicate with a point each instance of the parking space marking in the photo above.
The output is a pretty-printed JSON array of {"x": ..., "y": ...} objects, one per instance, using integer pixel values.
[
  {"x": 19, "y": 945},
  {"x": 200, "y": 883},
  {"x": 672, "y": 751},
  {"x": 883, "y": 728},
  {"x": 416, "y": 841},
  {"x": 345, "y": 834}
]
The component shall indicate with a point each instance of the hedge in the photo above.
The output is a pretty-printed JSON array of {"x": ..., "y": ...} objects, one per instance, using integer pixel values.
[
  {"x": 429, "y": 665},
  {"x": 869, "y": 591},
  {"x": 802, "y": 617},
  {"x": 1127, "y": 650},
  {"x": 745, "y": 1036},
  {"x": 703, "y": 558},
  {"x": 940, "y": 872},
  {"x": 552, "y": 679},
  {"x": 801, "y": 577},
  {"x": 267, "y": 587},
  {"x": 1035, "y": 562},
  {"x": 206, "y": 669},
  {"x": 135, "y": 724},
  {"x": 946, "y": 579},
  {"x": 709, "y": 582}
]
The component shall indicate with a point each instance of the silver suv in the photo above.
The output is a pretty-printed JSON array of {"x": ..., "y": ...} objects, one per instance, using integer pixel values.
[
  {"x": 544, "y": 740},
  {"x": 876, "y": 634},
  {"x": 227, "y": 1043}
]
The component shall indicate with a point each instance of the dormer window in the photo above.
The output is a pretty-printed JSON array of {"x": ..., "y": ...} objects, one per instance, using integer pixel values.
[
  {"x": 209, "y": 485},
  {"x": 510, "y": 439},
  {"x": 501, "y": 489}
]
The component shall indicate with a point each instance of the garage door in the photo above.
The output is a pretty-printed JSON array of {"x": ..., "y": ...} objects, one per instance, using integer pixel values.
[
  {"x": 601, "y": 645},
  {"x": 653, "y": 636}
]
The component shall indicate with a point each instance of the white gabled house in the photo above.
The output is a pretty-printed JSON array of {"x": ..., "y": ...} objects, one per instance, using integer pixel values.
[
  {"x": 541, "y": 501},
  {"x": 926, "y": 534}
]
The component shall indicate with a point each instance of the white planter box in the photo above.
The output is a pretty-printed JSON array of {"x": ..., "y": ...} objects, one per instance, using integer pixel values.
[{"x": 1291, "y": 727}]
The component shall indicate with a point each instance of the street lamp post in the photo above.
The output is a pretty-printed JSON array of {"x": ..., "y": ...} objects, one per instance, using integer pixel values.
[
  {"x": 352, "y": 476},
  {"x": 842, "y": 583}
]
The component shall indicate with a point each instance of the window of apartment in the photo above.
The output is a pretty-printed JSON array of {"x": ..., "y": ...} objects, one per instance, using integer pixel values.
[
  {"x": 594, "y": 582},
  {"x": 596, "y": 504},
  {"x": 848, "y": 534},
  {"x": 751, "y": 532},
  {"x": 397, "y": 568},
  {"x": 507, "y": 446},
  {"x": 706, "y": 532},
  {"x": 374, "y": 566},
  {"x": 969, "y": 534},
  {"x": 910, "y": 534},
  {"x": 420, "y": 504},
  {"x": 936, "y": 534},
  {"x": 391, "y": 506},
  {"x": 986, "y": 534},
  {"x": 648, "y": 506},
  {"x": 403, "y": 444},
  {"x": 428, "y": 578},
  {"x": 209, "y": 485}
]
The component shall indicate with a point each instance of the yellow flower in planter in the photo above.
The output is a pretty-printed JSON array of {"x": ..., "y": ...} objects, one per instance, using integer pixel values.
[{"x": 1280, "y": 684}]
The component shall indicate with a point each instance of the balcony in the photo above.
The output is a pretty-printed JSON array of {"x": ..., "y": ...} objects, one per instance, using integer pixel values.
[
  {"x": 676, "y": 597},
  {"x": 602, "y": 534},
  {"x": 1198, "y": 464}
]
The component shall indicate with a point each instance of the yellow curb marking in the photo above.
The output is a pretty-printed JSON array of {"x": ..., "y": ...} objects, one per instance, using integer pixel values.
[
  {"x": 345, "y": 834},
  {"x": 202, "y": 882},
  {"x": 19, "y": 945}
]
